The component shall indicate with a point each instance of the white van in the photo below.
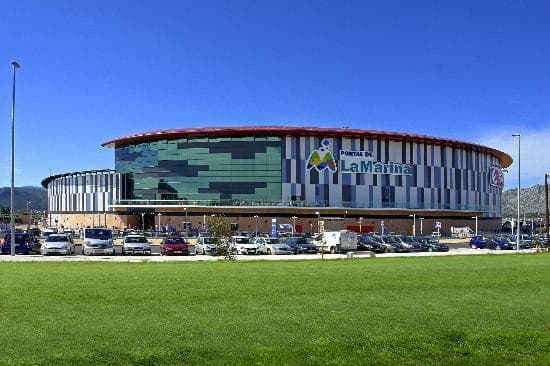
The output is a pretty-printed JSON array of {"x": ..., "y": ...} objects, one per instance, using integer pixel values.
[
  {"x": 336, "y": 241},
  {"x": 97, "y": 241}
]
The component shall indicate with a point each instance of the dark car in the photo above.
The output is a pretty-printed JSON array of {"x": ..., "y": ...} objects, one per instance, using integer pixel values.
[
  {"x": 174, "y": 245},
  {"x": 480, "y": 242},
  {"x": 300, "y": 245},
  {"x": 397, "y": 245},
  {"x": 501, "y": 243},
  {"x": 415, "y": 244},
  {"x": 431, "y": 244},
  {"x": 24, "y": 244},
  {"x": 373, "y": 243}
]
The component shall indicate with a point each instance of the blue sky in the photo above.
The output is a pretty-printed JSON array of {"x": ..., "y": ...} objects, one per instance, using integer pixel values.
[{"x": 96, "y": 70}]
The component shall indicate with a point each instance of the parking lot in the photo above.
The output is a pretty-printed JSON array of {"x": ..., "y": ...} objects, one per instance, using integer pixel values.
[{"x": 457, "y": 249}]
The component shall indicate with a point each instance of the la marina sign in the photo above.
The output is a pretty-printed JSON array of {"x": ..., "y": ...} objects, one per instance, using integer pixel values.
[
  {"x": 353, "y": 161},
  {"x": 362, "y": 162}
]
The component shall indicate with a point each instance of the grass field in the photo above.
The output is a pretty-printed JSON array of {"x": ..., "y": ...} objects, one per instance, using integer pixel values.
[{"x": 415, "y": 311}]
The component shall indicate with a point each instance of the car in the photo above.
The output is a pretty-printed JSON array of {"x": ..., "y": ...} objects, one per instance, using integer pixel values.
[
  {"x": 97, "y": 241},
  {"x": 300, "y": 245},
  {"x": 57, "y": 244},
  {"x": 24, "y": 243},
  {"x": 272, "y": 246},
  {"x": 398, "y": 246},
  {"x": 430, "y": 244},
  {"x": 479, "y": 242},
  {"x": 243, "y": 245},
  {"x": 136, "y": 244},
  {"x": 373, "y": 243},
  {"x": 414, "y": 242},
  {"x": 525, "y": 241},
  {"x": 501, "y": 242},
  {"x": 207, "y": 245},
  {"x": 174, "y": 245}
]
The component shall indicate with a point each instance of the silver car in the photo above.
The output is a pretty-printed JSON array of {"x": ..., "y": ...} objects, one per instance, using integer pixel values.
[
  {"x": 136, "y": 244},
  {"x": 272, "y": 246},
  {"x": 206, "y": 245},
  {"x": 57, "y": 244}
]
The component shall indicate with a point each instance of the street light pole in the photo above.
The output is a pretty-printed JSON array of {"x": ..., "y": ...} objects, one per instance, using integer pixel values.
[
  {"x": 318, "y": 221},
  {"x": 518, "y": 230},
  {"x": 475, "y": 217},
  {"x": 414, "y": 223},
  {"x": 421, "y": 220},
  {"x": 159, "y": 215},
  {"x": 360, "y": 225},
  {"x": 28, "y": 217},
  {"x": 143, "y": 221},
  {"x": 12, "y": 194},
  {"x": 256, "y": 219},
  {"x": 293, "y": 224},
  {"x": 185, "y": 223}
]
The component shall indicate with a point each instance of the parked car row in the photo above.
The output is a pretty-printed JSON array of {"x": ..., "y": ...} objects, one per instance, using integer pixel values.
[
  {"x": 400, "y": 244},
  {"x": 500, "y": 242}
]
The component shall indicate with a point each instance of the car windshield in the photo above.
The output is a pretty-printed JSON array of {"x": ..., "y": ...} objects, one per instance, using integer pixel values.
[
  {"x": 376, "y": 239},
  {"x": 242, "y": 240},
  {"x": 102, "y": 234},
  {"x": 19, "y": 237},
  {"x": 136, "y": 239},
  {"x": 273, "y": 241},
  {"x": 174, "y": 240},
  {"x": 299, "y": 241},
  {"x": 208, "y": 240},
  {"x": 57, "y": 238}
]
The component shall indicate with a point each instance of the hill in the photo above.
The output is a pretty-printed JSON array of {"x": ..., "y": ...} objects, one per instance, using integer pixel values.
[
  {"x": 532, "y": 202},
  {"x": 37, "y": 196}
]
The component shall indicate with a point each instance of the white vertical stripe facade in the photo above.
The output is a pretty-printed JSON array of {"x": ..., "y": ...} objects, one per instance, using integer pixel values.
[{"x": 84, "y": 192}]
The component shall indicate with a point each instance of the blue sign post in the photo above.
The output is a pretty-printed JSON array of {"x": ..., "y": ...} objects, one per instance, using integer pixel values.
[{"x": 273, "y": 228}]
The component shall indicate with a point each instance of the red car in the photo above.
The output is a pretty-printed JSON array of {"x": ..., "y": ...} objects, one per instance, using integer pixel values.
[{"x": 174, "y": 245}]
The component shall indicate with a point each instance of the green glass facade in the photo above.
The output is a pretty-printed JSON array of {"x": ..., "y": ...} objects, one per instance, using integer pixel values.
[{"x": 230, "y": 168}]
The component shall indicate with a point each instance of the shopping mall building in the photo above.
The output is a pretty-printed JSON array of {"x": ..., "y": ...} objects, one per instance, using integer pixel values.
[{"x": 308, "y": 177}]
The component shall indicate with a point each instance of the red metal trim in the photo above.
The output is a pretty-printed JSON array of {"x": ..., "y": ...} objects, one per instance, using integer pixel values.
[{"x": 504, "y": 158}]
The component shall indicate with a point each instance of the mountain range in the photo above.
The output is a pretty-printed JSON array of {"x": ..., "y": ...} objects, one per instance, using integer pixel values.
[{"x": 37, "y": 196}]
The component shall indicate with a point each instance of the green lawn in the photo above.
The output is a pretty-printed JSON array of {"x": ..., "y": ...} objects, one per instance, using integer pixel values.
[{"x": 415, "y": 311}]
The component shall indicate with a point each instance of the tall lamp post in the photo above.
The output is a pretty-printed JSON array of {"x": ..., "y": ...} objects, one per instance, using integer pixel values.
[
  {"x": 293, "y": 224},
  {"x": 318, "y": 221},
  {"x": 185, "y": 223},
  {"x": 421, "y": 220},
  {"x": 256, "y": 219},
  {"x": 143, "y": 221},
  {"x": 414, "y": 223},
  {"x": 518, "y": 230},
  {"x": 159, "y": 215},
  {"x": 29, "y": 217},
  {"x": 360, "y": 225},
  {"x": 546, "y": 175},
  {"x": 475, "y": 217},
  {"x": 12, "y": 208}
]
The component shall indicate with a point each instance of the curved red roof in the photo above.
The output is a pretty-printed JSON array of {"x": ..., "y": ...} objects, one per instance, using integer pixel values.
[{"x": 504, "y": 158}]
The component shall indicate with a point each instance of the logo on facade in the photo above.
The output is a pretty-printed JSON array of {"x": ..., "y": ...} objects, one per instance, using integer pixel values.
[
  {"x": 496, "y": 178},
  {"x": 352, "y": 161},
  {"x": 322, "y": 158}
]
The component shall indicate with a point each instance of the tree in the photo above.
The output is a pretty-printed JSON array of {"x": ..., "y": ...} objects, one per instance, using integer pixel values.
[{"x": 220, "y": 232}]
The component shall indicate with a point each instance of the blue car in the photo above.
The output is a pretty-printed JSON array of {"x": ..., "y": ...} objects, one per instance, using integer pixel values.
[
  {"x": 501, "y": 243},
  {"x": 481, "y": 242},
  {"x": 24, "y": 244}
]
